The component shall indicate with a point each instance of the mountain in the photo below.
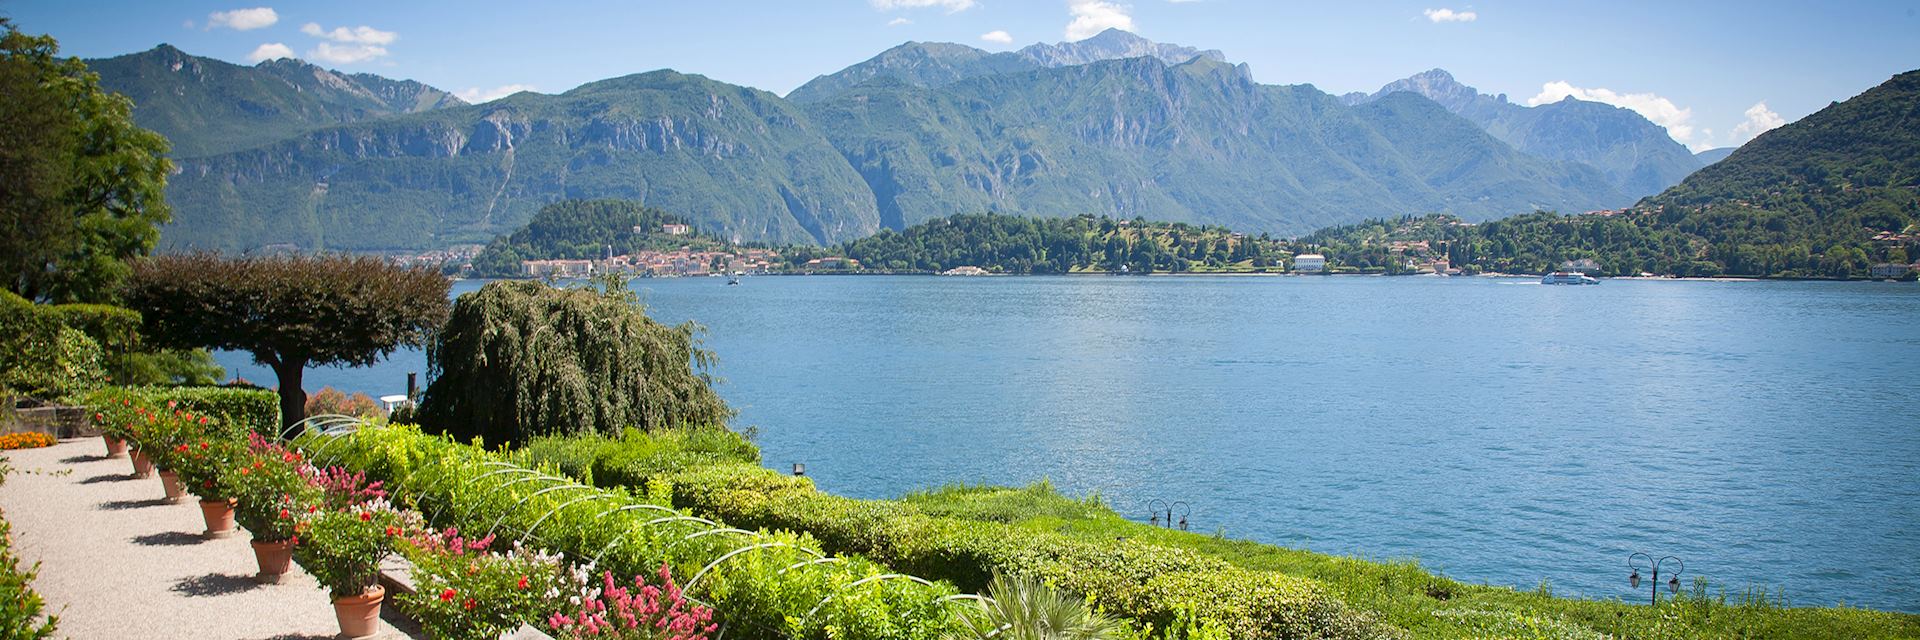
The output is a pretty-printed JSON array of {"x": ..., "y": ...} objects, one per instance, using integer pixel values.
[
  {"x": 921, "y": 131},
  {"x": 1711, "y": 156},
  {"x": 1113, "y": 44},
  {"x": 1833, "y": 195},
  {"x": 920, "y": 64},
  {"x": 937, "y": 64},
  {"x": 1636, "y": 155},
  {"x": 728, "y": 158},
  {"x": 1856, "y": 161},
  {"x": 207, "y": 106},
  {"x": 1194, "y": 142}
]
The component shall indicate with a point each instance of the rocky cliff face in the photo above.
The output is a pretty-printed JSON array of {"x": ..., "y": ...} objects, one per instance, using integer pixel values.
[
  {"x": 206, "y": 106},
  {"x": 1113, "y": 44},
  {"x": 726, "y": 157}
]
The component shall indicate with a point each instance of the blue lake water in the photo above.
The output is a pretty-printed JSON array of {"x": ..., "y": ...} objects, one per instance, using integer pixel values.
[{"x": 1497, "y": 430}]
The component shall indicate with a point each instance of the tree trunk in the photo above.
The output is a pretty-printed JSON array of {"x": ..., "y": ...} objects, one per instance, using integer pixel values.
[{"x": 293, "y": 398}]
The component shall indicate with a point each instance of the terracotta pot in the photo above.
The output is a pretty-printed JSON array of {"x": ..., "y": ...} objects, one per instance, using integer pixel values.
[
  {"x": 142, "y": 467},
  {"x": 360, "y": 615},
  {"x": 176, "y": 492},
  {"x": 116, "y": 448},
  {"x": 274, "y": 558},
  {"x": 219, "y": 517}
]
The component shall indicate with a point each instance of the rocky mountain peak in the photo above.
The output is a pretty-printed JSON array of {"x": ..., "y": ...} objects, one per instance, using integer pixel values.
[{"x": 1113, "y": 44}]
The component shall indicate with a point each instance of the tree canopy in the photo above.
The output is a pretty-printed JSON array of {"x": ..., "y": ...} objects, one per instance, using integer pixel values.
[
  {"x": 82, "y": 189},
  {"x": 289, "y": 312},
  {"x": 524, "y": 359}
]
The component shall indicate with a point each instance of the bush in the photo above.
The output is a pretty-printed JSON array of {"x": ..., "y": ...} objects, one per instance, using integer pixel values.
[
  {"x": 1124, "y": 578},
  {"x": 754, "y": 594},
  {"x": 43, "y": 358},
  {"x": 22, "y": 615},
  {"x": 519, "y": 360},
  {"x": 329, "y": 400},
  {"x": 343, "y": 548},
  {"x": 241, "y": 408}
]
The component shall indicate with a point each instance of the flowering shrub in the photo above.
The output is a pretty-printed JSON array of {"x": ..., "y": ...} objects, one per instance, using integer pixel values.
[
  {"x": 464, "y": 591},
  {"x": 161, "y": 433},
  {"x": 276, "y": 488},
  {"x": 343, "y": 489},
  {"x": 26, "y": 440},
  {"x": 205, "y": 466},
  {"x": 343, "y": 548},
  {"x": 640, "y": 612}
]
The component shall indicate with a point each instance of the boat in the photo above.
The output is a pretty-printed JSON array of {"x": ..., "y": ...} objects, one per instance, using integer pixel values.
[
  {"x": 735, "y": 279},
  {"x": 1568, "y": 277}
]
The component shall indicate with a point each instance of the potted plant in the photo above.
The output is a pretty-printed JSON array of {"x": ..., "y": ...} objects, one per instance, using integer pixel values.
[
  {"x": 275, "y": 488},
  {"x": 112, "y": 431},
  {"x": 207, "y": 467},
  {"x": 343, "y": 549},
  {"x": 162, "y": 436}
]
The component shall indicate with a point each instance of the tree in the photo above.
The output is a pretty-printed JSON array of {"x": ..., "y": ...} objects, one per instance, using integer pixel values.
[
  {"x": 522, "y": 359},
  {"x": 289, "y": 312},
  {"x": 82, "y": 189}
]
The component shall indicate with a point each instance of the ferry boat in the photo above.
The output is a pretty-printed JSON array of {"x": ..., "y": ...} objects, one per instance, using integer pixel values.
[{"x": 1568, "y": 277}]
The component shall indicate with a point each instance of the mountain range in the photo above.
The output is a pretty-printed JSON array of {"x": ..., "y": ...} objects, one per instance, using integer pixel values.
[
  {"x": 1638, "y": 156},
  {"x": 287, "y": 153}
]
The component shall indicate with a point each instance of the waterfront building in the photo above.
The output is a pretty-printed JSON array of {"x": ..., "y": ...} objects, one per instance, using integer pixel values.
[{"x": 1309, "y": 263}]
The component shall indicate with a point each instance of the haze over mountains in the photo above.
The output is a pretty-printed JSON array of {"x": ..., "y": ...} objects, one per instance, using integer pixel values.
[{"x": 287, "y": 153}]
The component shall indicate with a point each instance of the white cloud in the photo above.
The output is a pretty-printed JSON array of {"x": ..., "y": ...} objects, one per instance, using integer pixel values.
[
  {"x": 1760, "y": 120},
  {"x": 477, "y": 95},
  {"x": 1449, "y": 15},
  {"x": 270, "y": 51},
  {"x": 345, "y": 54},
  {"x": 898, "y": 21},
  {"x": 1090, "y": 17},
  {"x": 357, "y": 35},
  {"x": 952, "y": 6},
  {"x": 1677, "y": 120},
  {"x": 1001, "y": 37},
  {"x": 243, "y": 19}
]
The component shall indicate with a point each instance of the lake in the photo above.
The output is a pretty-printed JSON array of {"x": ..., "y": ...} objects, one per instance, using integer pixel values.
[{"x": 1496, "y": 430}]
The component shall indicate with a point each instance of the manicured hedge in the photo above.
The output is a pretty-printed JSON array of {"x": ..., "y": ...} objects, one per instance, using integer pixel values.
[
  {"x": 1165, "y": 587},
  {"x": 257, "y": 410},
  {"x": 757, "y": 594},
  {"x": 40, "y": 356}
]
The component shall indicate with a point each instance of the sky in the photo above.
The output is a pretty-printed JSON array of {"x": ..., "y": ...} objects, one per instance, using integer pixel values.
[{"x": 1713, "y": 73}]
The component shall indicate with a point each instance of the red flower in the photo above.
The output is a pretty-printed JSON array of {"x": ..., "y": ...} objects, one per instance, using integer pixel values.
[
  {"x": 393, "y": 530},
  {"x": 522, "y": 585},
  {"x": 447, "y": 596},
  {"x": 286, "y": 515},
  {"x": 182, "y": 448},
  {"x": 468, "y": 604},
  {"x": 205, "y": 446},
  {"x": 244, "y": 470},
  {"x": 99, "y": 418},
  {"x": 203, "y": 419},
  {"x": 207, "y": 483},
  {"x": 366, "y": 516}
]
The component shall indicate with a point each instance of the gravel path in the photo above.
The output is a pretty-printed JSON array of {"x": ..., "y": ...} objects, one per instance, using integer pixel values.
[{"x": 117, "y": 561}]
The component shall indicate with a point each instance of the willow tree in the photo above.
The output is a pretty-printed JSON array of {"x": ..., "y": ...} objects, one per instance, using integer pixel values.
[
  {"x": 523, "y": 359},
  {"x": 289, "y": 312}
]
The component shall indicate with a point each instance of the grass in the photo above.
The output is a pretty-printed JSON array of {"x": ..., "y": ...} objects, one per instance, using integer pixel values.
[{"x": 1428, "y": 605}]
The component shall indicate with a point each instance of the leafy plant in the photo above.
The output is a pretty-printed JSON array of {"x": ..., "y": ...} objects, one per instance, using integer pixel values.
[
  {"x": 209, "y": 466},
  {"x": 275, "y": 488},
  {"x": 462, "y": 590},
  {"x": 343, "y": 548},
  {"x": 1025, "y": 608},
  {"x": 22, "y": 611}
]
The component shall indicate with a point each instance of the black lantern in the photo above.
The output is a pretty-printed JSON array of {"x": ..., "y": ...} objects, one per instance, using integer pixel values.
[
  {"x": 1673, "y": 579},
  {"x": 799, "y": 469},
  {"x": 1634, "y": 580}
]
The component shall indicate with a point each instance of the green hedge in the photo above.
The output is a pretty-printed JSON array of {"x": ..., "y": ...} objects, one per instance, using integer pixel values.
[
  {"x": 1165, "y": 587},
  {"x": 243, "y": 408},
  {"x": 757, "y": 594},
  {"x": 40, "y": 356}
]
